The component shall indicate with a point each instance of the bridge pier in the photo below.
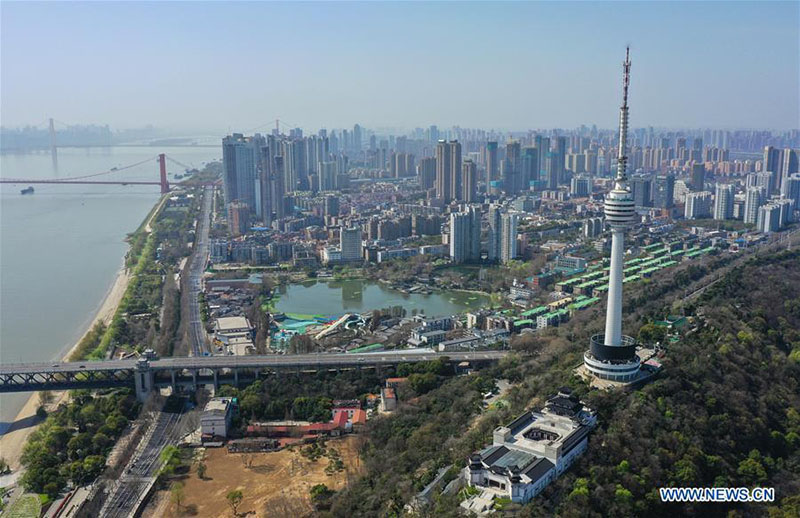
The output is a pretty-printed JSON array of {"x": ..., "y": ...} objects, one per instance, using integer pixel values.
[
  {"x": 236, "y": 378},
  {"x": 143, "y": 379},
  {"x": 216, "y": 380}
]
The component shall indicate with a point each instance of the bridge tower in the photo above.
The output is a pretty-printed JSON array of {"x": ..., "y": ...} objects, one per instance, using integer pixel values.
[
  {"x": 53, "y": 147},
  {"x": 162, "y": 163}
]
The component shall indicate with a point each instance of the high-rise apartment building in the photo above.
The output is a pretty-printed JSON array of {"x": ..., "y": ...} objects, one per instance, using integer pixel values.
[
  {"x": 469, "y": 181},
  {"x": 790, "y": 190},
  {"x": 580, "y": 186},
  {"x": 239, "y": 160},
  {"x": 754, "y": 198},
  {"x": 763, "y": 179},
  {"x": 530, "y": 164},
  {"x": 698, "y": 205},
  {"x": 238, "y": 218},
  {"x": 723, "y": 201},
  {"x": 769, "y": 218},
  {"x": 495, "y": 232},
  {"x": 465, "y": 236},
  {"x": 664, "y": 191},
  {"x": 773, "y": 163},
  {"x": 492, "y": 163},
  {"x": 508, "y": 245},
  {"x": 448, "y": 170},
  {"x": 426, "y": 170},
  {"x": 351, "y": 244},
  {"x": 542, "y": 144},
  {"x": 642, "y": 190},
  {"x": 698, "y": 177}
]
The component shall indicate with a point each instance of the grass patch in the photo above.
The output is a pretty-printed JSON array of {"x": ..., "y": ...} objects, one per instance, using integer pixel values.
[{"x": 26, "y": 506}]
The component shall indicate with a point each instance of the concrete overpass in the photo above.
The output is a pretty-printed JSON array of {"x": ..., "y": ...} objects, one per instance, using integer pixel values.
[{"x": 149, "y": 372}]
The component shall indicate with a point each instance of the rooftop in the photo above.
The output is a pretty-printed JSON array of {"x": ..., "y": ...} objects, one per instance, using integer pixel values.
[{"x": 229, "y": 323}]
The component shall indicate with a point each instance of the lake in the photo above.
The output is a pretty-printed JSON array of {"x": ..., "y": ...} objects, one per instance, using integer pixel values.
[{"x": 357, "y": 296}]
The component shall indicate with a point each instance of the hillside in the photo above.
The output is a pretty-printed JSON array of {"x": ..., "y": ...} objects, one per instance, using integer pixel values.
[{"x": 725, "y": 412}]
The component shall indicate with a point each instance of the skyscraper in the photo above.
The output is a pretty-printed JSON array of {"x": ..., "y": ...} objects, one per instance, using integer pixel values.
[
  {"x": 772, "y": 163},
  {"x": 448, "y": 170},
  {"x": 239, "y": 159},
  {"x": 495, "y": 232},
  {"x": 357, "y": 139},
  {"x": 511, "y": 171},
  {"x": 613, "y": 356},
  {"x": 723, "y": 201},
  {"x": 492, "y": 166},
  {"x": 530, "y": 164},
  {"x": 698, "y": 177},
  {"x": 559, "y": 160},
  {"x": 278, "y": 187},
  {"x": 469, "y": 181}
]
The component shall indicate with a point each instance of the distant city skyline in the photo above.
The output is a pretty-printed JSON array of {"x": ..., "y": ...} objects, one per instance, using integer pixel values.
[{"x": 225, "y": 67}]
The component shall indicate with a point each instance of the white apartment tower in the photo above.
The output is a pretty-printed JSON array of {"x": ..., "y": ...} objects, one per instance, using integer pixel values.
[{"x": 723, "y": 201}]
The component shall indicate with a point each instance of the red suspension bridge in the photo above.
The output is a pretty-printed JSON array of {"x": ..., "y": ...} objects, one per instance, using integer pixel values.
[{"x": 99, "y": 178}]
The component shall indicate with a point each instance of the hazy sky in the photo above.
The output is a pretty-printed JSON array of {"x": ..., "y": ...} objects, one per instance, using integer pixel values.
[{"x": 220, "y": 66}]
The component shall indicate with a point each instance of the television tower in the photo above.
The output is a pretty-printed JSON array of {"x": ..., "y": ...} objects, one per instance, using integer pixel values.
[{"x": 613, "y": 356}]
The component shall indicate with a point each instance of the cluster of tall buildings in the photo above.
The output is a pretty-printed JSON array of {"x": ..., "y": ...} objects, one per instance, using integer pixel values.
[
  {"x": 465, "y": 234},
  {"x": 260, "y": 171}
]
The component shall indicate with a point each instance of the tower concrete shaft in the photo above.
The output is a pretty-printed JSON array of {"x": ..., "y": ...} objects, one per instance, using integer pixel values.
[
  {"x": 620, "y": 213},
  {"x": 614, "y": 312}
]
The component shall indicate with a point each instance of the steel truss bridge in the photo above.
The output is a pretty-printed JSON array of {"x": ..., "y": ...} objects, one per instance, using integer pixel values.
[{"x": 146, "y": 374}]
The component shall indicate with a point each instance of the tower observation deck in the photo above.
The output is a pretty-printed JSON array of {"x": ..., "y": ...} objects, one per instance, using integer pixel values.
[{"x": 613, "y": 356}]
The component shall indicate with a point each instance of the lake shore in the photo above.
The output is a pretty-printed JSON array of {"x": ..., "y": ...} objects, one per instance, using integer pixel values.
[{"x": 13, "y": 441}]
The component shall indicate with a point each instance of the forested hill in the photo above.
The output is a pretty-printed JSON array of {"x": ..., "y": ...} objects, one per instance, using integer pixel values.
[{"x": 725, "y": 412}]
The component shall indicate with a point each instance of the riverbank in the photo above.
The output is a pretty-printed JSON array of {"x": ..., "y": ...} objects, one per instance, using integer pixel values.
[{"x": 13, "y": 440}]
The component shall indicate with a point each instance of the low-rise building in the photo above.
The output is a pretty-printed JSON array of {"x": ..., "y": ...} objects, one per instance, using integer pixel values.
[
  {"x": 388, "y": 399},
  {"x": 532, "y": 451},
  {"x": 216, "y": 418},
  {"x": 227, "y": 328}
]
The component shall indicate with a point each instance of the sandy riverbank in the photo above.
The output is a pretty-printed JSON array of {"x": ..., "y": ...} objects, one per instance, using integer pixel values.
[{"x": 12, "y": 442}]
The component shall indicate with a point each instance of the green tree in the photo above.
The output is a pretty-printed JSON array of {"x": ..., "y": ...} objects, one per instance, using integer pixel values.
[
  {"x": 177, "y": 494},
  {"x": 320, "y": 496},
  {"x": 234, "y": 499}
]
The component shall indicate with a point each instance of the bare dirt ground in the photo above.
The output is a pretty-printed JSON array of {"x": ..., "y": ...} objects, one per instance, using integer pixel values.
[{"x": 274, "y": 484}]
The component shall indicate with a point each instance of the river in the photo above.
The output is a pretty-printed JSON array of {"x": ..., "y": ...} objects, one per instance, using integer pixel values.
[{"x": 60, "y": 248}]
